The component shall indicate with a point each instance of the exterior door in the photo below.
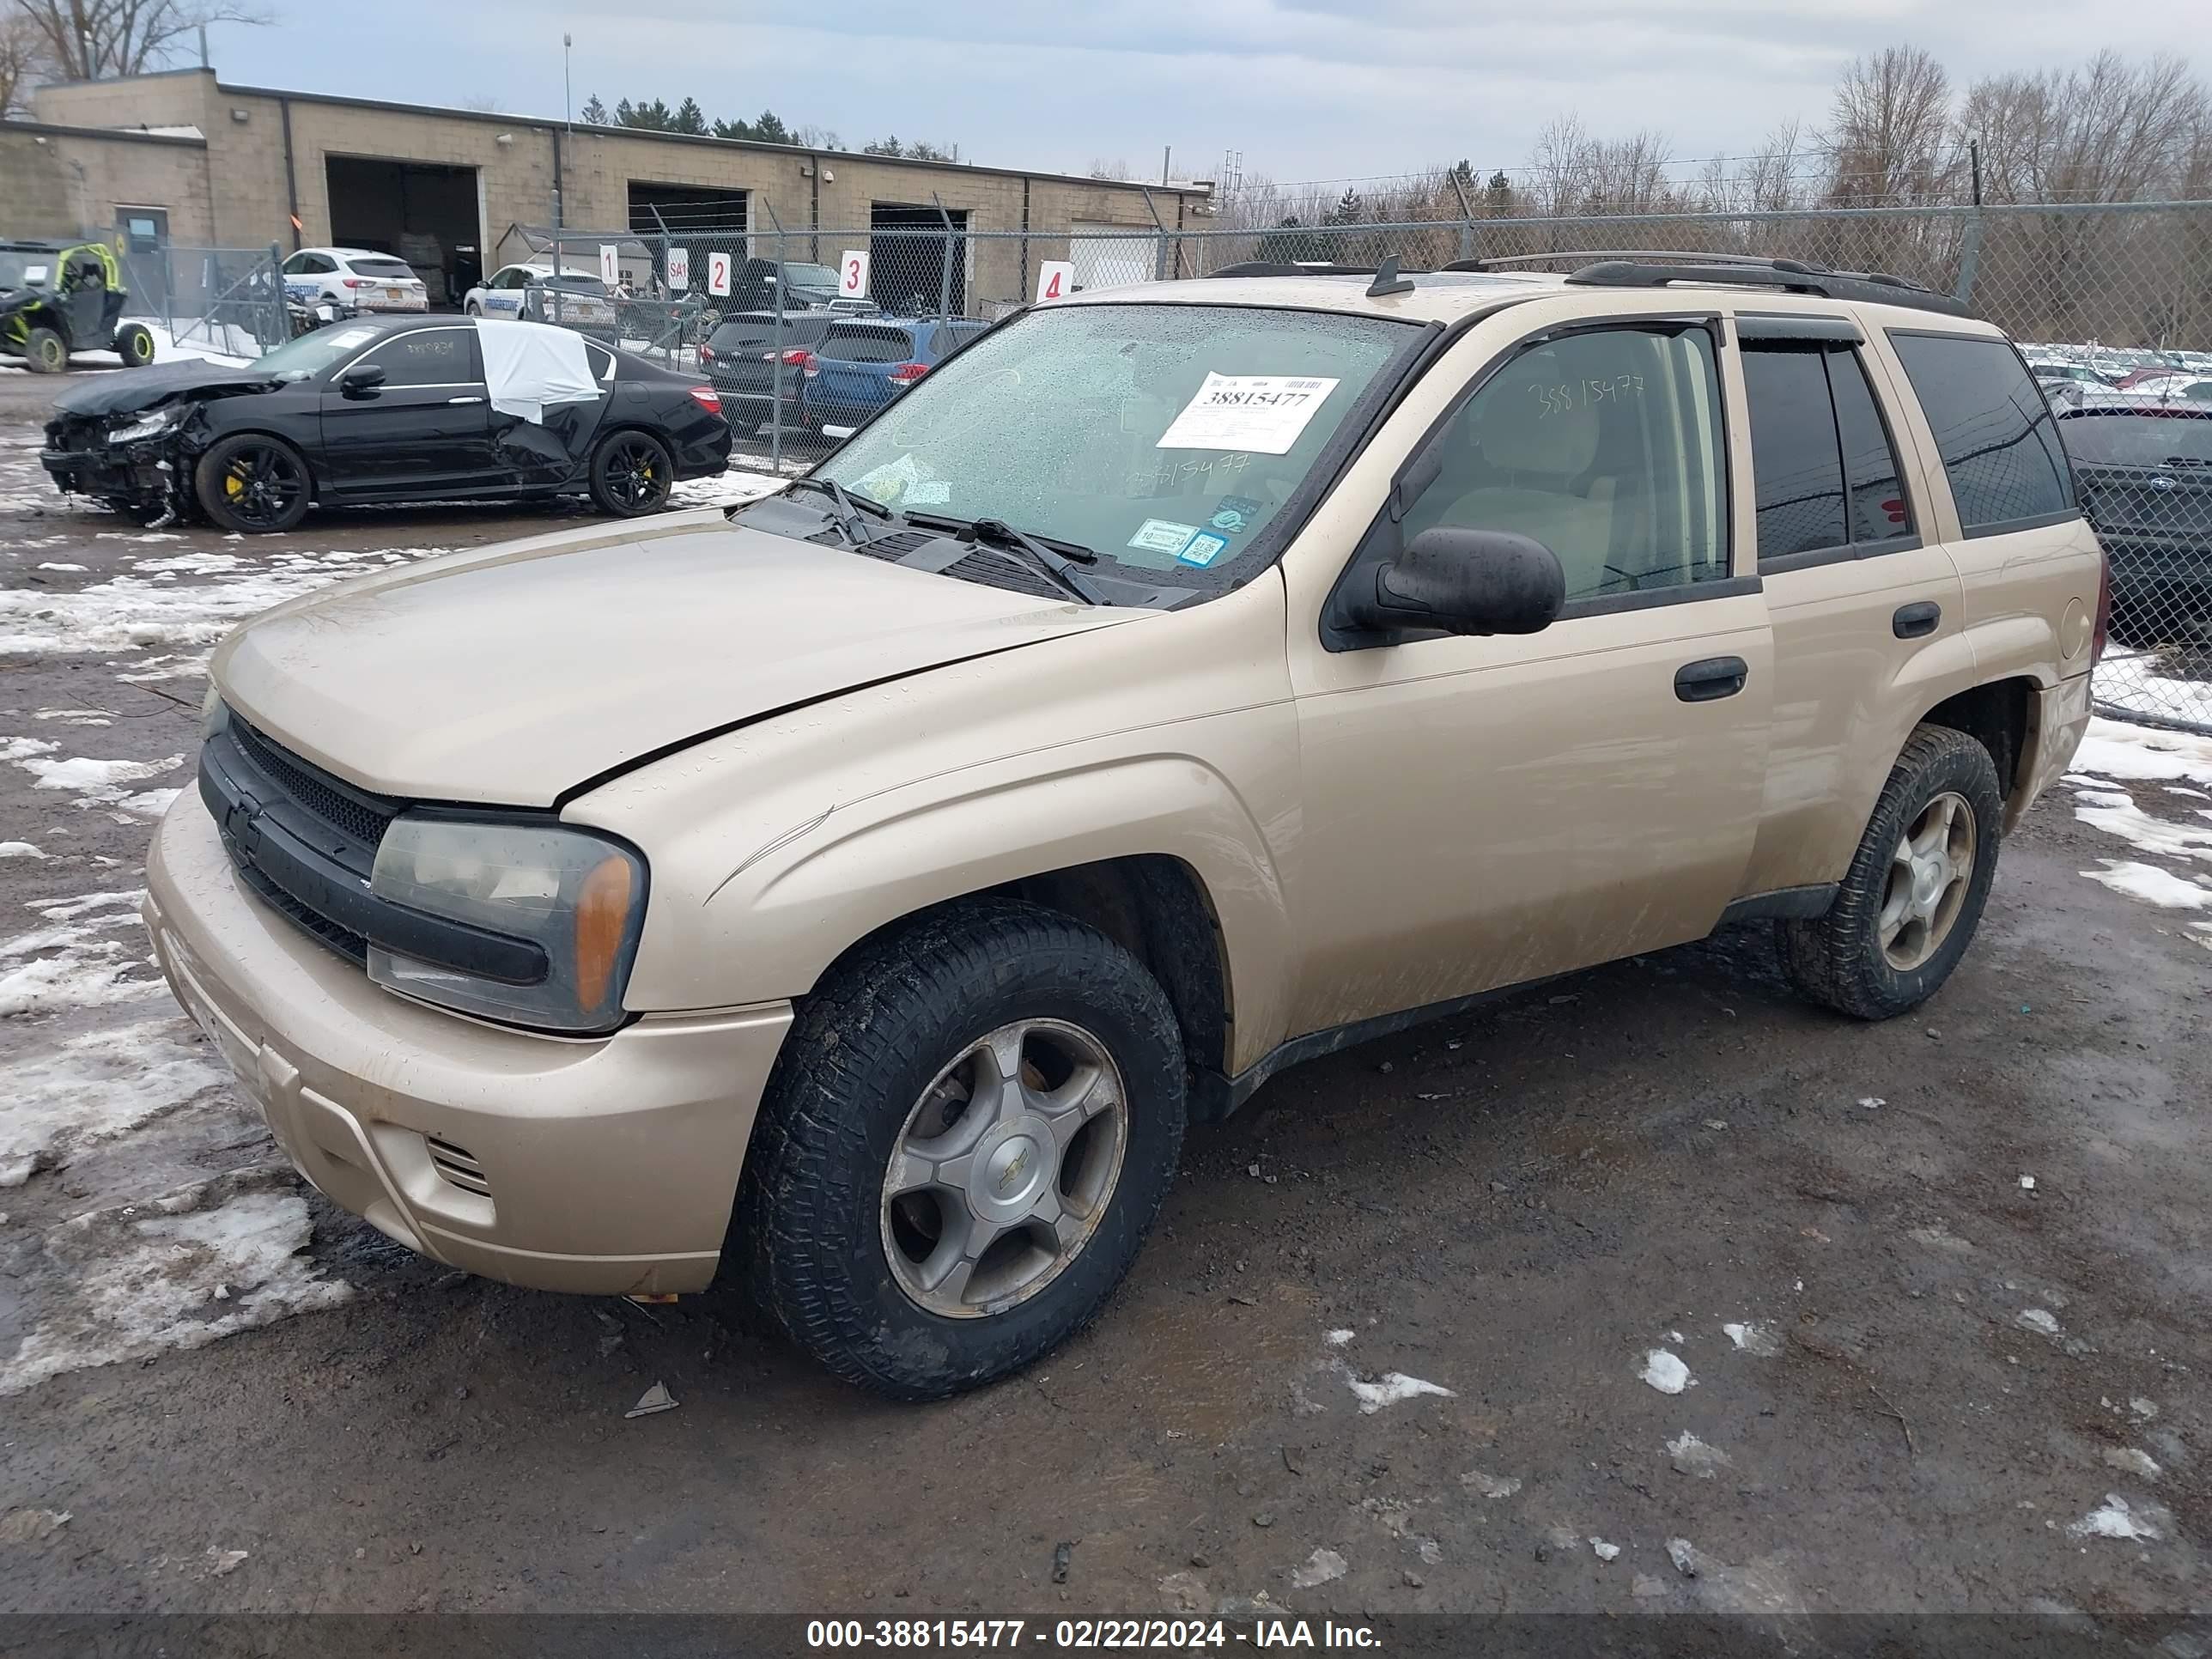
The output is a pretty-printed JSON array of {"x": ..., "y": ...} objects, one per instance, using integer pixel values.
[
  {"x": 1490, "y": 811},
  {"x": 1865, "y": 600},
  {"x": 427, "y": 427}
]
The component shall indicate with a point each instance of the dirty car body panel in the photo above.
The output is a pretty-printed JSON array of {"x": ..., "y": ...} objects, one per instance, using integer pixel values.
[{"x": 826, "y": 714}]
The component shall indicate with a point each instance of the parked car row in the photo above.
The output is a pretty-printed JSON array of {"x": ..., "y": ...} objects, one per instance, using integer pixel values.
[{"x": 822, "y": 372}]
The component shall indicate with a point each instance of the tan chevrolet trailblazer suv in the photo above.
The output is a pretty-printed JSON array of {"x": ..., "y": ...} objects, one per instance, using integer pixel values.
[{"x": 864, "y": 888}]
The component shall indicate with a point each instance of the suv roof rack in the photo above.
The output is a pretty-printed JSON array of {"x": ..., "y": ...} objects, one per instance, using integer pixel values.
[
  {"x": 1293, "y": 268},
  {"x": 1507, "y": 262},
  {"x": 1878, "y": 288}
]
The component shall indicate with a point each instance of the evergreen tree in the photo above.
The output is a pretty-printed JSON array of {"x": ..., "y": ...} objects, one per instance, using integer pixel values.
[{"x": 595, "y": 112}]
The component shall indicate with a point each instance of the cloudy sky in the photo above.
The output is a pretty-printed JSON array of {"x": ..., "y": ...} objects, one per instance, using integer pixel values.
[{"x": 1306, "y": 89}]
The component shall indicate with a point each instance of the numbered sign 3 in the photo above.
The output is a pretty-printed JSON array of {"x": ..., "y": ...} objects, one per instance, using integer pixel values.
[
  {"x": 852, "y": 274},
  {"x": 718, "y": 273},
  {"x": 1055, "y": 280}
]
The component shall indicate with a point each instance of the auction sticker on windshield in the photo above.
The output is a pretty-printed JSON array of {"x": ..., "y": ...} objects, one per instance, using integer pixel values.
[
  {"x": 1261, "y": 412},
  {"x": 1162, "y": 536}
]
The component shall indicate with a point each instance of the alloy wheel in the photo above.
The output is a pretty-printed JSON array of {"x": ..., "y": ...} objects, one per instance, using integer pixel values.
[
  {"x": 262, "y": 484},
  {"x": 1004, "y": 1168},
  {"x": 1928, "y": 875}
]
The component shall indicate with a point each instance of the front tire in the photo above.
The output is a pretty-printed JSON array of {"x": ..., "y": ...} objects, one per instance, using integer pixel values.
[
  {"x": 45, "y": 351},
  {"x": 968, "y": 1134},
  {"x": 632, "y": 473},
  {"x": 134, "y": 343},
  {"x": 252, "y": 483},
  {"x": 1908, "y": 906}
]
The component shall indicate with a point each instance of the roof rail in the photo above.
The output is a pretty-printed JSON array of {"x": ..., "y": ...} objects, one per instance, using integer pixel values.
[
  {"x": 1294, "y": 268},
  {"x": 1509, "y": 262},
  {"x": 1874, "y": 287}
]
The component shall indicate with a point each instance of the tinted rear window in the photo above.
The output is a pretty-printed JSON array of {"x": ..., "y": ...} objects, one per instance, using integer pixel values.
[
  {"x": 799, "y": 329},
  {"x": 573, "y": 281},
  {"x": 1993, "y": 428},
  {"x": 848, "y": 344},
  {"x": 2128, "y": 439},
  {"x": 382, "y": 268}
]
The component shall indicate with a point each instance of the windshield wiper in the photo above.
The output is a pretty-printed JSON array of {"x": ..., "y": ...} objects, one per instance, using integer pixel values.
[
  {"x": 846, "y": 516},
  {"x": 1058, "y": 562}
]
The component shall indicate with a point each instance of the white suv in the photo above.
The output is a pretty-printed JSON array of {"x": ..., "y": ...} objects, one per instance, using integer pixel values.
[{"x": 355, "y": 277}]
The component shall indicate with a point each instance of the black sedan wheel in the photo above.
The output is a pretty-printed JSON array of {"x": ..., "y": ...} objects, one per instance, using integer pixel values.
[
  {"x": 252, "y": 483},
  {"x": 631, "y": 474}
]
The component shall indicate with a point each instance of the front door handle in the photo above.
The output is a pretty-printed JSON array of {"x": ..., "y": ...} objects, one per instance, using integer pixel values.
[
  {"x": 1714, "y": 677},
  {"x": 464, "y": 400},
  {"x": 1914, "y": 622}
]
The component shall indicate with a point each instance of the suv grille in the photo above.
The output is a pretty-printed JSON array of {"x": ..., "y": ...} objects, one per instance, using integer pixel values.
[{"x": 344, "y": 809}]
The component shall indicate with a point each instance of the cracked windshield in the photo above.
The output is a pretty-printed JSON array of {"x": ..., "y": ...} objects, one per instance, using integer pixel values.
[{"x": 1163, "y": 437}]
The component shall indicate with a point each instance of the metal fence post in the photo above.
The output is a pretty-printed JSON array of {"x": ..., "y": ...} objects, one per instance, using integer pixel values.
[
  {"x": 776, "y": 364},
  {"x": 944, "y": 264},
  {"x": 1970, "y": 258},
  {"x": 274, "y": 318}
]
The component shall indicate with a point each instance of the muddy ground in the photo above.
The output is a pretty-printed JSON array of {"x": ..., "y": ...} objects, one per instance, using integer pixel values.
[{"x": 1908, "y": 1379}]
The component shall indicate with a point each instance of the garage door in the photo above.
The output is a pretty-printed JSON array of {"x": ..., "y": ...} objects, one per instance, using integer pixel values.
[{"x": 1108, "y": 256}]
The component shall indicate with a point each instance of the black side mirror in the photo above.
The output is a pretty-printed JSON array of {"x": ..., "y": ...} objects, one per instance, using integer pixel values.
[
  {"x": 1466, "y": 582},
  {"x": 361, "y": 380}
]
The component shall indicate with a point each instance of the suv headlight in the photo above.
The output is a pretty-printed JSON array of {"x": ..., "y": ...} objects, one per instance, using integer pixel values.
[{"x": 577, "y": 896}]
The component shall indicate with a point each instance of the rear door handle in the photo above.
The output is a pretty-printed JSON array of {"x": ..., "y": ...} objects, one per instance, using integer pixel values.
[
  {"x": 1914, "y": 622},
  {"x": 464, "y": 400},
  {"x": 1714, "y": 677}
]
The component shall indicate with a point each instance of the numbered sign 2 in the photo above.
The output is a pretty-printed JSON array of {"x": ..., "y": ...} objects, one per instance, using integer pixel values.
[
  {"x": 609, "y": 263},
  {"x": 679, "y": 269},
  {"x": 718, "y": 273},
  {"x": 1055, "y": 280},
  {"x": 852, "y": 274}
]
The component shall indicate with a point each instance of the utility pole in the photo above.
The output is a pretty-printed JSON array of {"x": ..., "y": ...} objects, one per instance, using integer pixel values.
[
  {"x": 1167, "y": 153},
  {"x": 567, "y": 94}
]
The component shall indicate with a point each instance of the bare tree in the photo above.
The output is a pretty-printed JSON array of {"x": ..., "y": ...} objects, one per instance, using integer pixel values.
[
  {"x": 484, "y": 103},
  {"x": 89, "y": 40},
  {"x": 1101, "y": 167},
  {"x": 2112, "y": 131},
  {"x": 20, "y": 61},
  {"x": 1889, "y": 131}
]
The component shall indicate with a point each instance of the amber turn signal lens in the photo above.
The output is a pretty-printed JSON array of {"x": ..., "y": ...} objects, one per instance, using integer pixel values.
[{"x": 602, "y": 913}]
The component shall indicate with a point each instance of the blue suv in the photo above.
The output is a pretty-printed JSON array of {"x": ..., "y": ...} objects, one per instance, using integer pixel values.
[{"x": 862, "y": 366}]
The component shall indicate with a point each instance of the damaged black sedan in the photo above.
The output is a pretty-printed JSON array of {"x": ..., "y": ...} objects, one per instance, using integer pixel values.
[{"x": 407, "y": 410}]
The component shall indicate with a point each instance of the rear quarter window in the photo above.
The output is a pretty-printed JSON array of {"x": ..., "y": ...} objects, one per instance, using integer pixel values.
[
  {"x": 1993, "y": 430},
  {"x": 848, "y": 343}
]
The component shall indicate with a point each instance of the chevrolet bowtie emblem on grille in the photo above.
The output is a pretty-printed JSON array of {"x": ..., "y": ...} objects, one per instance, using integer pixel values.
[{"x": 241, "y": 825}]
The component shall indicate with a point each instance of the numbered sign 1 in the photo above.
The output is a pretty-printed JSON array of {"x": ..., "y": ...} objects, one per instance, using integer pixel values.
[
  {"x": 679, "y": 269},
  {"x": 1055, "y": 280},
  {"x": 609, "y": 263},
  {"x": 718, "y": 273},
  {"x": 852, "y": 274}
]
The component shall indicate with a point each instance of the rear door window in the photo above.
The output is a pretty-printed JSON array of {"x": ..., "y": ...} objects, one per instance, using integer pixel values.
[
  {"x": 1993, "y": 430},
  {"x": 848, "y": 342}
]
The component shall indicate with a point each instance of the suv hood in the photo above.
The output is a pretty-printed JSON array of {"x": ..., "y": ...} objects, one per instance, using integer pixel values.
[
  {"x": 125, "y": 392},
  {"x": 511, "y": 676}
]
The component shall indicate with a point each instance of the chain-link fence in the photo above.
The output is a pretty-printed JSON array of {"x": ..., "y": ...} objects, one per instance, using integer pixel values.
[{"x": 226, "y": 300}]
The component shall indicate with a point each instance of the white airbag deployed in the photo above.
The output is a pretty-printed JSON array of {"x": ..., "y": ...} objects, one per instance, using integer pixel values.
[{"x": 530, "y": 365}]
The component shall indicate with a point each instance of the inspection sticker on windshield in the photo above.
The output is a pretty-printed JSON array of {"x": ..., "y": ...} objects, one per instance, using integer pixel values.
[
  {"x": 1204, "y": 548},
  {"x": 1259, "y": 412},
  {"x": 1162, "y": 536}
]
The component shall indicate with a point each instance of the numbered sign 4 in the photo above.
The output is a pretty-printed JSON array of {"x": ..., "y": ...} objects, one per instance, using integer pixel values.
[
  {"x": 852, "y": 274},
  {"x": 1055, "y": 280},
  {"x": 718, "y": 273}
]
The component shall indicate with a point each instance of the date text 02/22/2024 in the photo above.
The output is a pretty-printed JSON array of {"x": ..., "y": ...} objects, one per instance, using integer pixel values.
[{"x": 1085, "y": 1634}]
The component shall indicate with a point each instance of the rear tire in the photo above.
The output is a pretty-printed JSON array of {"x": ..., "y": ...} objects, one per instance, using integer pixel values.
[
  {"x": 1908, "y": 906},
  {"x": 252, "y": 483},
  {"x": 45, "y": 351},
  {"x": 134, "y": 343},
  {"x": 888, "y": 1136},
  {"x": 632, "y": 473}
]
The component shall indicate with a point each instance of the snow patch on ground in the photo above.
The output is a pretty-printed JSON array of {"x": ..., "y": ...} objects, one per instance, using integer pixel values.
[
  {"x": 1492, "y": 1486},
  {"x": 1665, "y": 1371},
  {"x": 1390, "y": 1388},
  {"x": 2116, "y": 1518},
  {"x": 1321, "y": 1567},
  {"x": 1753, "y": 1338},
  {"x": 1690, "y": 1456},
  {"x": 74, "y": 964},
  {"x": 2115, "y": 812},
  {"x": 2113, "y": 748},
  {"x": 731, "y": 488},
  {"x": 96, "y": 1086},
  {"x": 179, "y": 1271},
  {"x": 19, "y": 849},
  {"x": 2152, "y": 885}
]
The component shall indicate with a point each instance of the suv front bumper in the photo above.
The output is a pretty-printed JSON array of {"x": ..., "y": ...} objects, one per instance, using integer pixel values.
[{"x": 606, "y": 1166}]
